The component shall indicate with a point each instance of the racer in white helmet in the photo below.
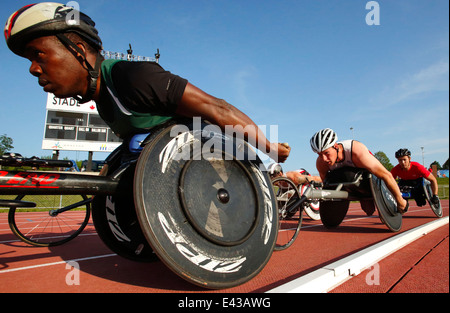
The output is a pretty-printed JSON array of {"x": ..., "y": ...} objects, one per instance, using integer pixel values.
[
  {"x": 323, "y": 139},
  {"x": 334, "y": 155}
]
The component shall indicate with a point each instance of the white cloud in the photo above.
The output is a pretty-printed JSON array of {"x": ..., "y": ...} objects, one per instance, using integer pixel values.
[{"x": 432, "y": 78}]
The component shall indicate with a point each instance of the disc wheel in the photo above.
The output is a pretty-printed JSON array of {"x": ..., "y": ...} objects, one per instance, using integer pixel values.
[
  {"x": 332, "y": 213},
  {"x": 386, "y": 204},
  {"x": 116, "y": 222},
  {"x": 209, "y": 216},
  {"x": 436, "y": 208}
]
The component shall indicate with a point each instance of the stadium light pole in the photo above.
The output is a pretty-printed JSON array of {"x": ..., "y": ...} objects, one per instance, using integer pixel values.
[
  {"x": 129, "y": 56},
  {"x": 423, "y": 157}
]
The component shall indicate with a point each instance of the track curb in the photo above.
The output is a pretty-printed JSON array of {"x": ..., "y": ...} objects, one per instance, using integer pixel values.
[{"x": 334, "y": 274}]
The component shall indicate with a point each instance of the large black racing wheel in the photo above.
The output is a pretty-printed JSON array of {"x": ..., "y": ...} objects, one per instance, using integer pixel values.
[
  {"x": 205, "y": 205},
  {"x": 386, "y": 204},
  {"x": 115, "y": 219},
  {"x": 435, "y": 207},
  {"x": 332, "y": 213}
]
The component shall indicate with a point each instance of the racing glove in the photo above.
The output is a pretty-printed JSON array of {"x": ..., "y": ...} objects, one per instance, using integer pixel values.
[{"x": 435, "y": 200}]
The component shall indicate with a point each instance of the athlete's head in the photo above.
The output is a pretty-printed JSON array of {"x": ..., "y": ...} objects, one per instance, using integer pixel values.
[
  {"x": 324, "y": 143},
  {"x": 275, "y": 170},
  {"x": 404, "y": 158},
  {"x": 62, "y": 44}
]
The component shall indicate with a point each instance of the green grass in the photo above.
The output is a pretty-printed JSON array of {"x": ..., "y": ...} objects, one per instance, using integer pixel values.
[
  {"x": 443, "y": 182},
  {"x": 45, "y": 202}
]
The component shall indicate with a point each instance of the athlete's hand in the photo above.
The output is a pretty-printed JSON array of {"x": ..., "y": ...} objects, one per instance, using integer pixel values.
[
  {"x": 435, "y": 199},
  {"x": 282, "y": 151},
  {"x": 403, "y": 206}
]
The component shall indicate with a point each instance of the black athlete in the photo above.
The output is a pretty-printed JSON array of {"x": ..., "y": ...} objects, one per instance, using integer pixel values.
[{"x": 131, "y": 97}]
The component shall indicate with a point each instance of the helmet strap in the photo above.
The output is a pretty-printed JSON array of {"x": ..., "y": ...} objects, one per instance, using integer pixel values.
[
  {"x": 94, "y": 72},
  {"x": 337, "y": 154}
]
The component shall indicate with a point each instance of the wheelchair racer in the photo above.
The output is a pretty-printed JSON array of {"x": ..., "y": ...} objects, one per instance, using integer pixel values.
[
  {"x": 298, "y": 177},
  {"x": 334, "y": 155},
  {"x": 412, "y": 174},
  {"x": 131, "y": 97},
  {"x": 301, "y": 178}
]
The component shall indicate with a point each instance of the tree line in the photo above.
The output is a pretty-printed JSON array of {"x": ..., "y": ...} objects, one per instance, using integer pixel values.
[{"x": 383, "y": 158}]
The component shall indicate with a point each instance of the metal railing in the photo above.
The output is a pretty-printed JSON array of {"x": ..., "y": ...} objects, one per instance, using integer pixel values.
[{"x": 443, "y": 191}]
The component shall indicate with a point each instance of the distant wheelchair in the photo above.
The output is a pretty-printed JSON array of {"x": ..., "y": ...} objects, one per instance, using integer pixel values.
[
  {"x": 339, "y": 188},
  {"x": 420, "y": 191},
  {"x": 355, "y": 184}
]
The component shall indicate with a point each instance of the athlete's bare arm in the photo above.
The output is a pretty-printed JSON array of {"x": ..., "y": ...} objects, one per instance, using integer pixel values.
[
  {"x": 196, "y": 102},
  {"x": 364, "y": 159}
]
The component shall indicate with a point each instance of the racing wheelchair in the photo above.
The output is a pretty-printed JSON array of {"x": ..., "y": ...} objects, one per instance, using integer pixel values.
[
  {"x": 194, "y": 197},
  {"x": 339, "y": 188},
  {"x": 51, "y": 223},
  {"x": 420, "y": 191}
]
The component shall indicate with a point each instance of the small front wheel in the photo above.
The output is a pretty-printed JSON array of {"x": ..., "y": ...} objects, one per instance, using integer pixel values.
[
  {"x": 54, "y": 221},
  {"x": 290, "y": 216},
  {"x": 311, "y": 207}
]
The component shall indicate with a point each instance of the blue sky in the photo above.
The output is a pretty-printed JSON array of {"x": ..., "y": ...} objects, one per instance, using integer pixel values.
[{"x": 301, "y": 65}]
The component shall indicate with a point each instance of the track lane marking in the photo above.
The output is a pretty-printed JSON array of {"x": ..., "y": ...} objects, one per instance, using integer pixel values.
[{"x": 56, "y": 263}]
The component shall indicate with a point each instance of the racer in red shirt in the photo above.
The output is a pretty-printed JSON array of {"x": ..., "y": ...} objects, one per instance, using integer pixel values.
[{"x": 412, "y": 174}]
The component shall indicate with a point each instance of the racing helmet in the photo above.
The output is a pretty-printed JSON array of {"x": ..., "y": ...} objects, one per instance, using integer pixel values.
[
  {"x": 45, "y": 19},
  {"x": 49, "y": 18},
  {"x": 274, "y": 169},
  {"x": 323, "y": 139},
  {"x": 402, "y": 152}
]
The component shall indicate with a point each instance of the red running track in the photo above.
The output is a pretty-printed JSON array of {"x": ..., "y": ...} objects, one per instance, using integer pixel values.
[{"x": 24, "y": 268}]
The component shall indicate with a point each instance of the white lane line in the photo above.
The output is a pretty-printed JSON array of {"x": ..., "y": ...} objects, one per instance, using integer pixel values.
[
  {"x": 18, "y": 240},
  {"x": 359, "y": 218},
  {"x": 56, "y": 263},
  {"x": 332, "y": 275}
]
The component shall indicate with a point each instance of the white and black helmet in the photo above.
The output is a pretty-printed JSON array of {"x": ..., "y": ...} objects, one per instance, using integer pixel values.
[{"x": 323, "y": 139}]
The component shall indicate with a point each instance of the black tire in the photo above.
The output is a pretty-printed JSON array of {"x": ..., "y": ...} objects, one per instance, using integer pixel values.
[
  {"x": 44, "y": 229},
  {"x": 116, "y": 222},
  {"x": 332, "y": 213},
  {"x": 436, "y": 208},
  {"x": 289, "y": 218},
  {"x": 386, "y": 204},
  {"x": 214, "y": 220}
]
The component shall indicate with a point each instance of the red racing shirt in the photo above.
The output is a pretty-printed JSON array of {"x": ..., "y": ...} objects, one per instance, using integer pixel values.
[{"x": 416, "y": 170}]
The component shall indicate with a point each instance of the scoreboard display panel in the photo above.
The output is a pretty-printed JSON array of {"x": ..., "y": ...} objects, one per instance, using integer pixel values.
[{"x": 75, "y": 126}]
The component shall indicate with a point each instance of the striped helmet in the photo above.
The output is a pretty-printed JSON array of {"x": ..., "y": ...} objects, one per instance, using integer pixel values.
[
  {"x": 323, "y": 139},
  {"x": 45, "y": 19}
]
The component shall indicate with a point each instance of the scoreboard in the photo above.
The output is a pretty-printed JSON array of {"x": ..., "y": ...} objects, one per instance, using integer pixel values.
[{"x": 70, "y": 125}]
